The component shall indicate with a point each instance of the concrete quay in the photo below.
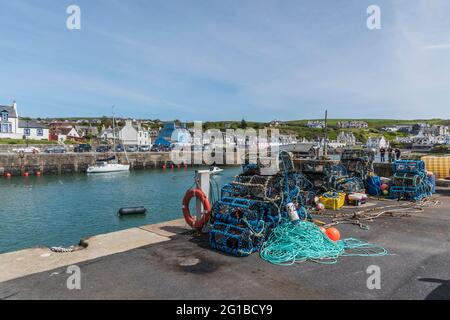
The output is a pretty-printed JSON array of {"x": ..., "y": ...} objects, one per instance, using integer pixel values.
[{"x": 168, "y": 261}]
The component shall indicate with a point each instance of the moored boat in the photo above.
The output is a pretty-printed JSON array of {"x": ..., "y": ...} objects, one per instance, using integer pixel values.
[{"x": 215, "y": 170}]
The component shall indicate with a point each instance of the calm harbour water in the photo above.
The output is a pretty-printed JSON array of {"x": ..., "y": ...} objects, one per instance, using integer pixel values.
[{"x": 60, "y": 210}]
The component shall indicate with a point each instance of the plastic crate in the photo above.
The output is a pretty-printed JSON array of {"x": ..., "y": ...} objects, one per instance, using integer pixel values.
[{"x": 333, "y": 201}]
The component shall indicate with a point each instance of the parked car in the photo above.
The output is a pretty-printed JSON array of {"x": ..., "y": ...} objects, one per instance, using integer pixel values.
[
  {"x": 84, "y": 147},
  {"x": 102, "y": 149},
  {"x": 27, "y": 150},
  {"x": 144, "y": 148},
  {"x": 132, "y": 148},
  {"x": 119, "y": 148},
  {"x": 55, "y": 149}
]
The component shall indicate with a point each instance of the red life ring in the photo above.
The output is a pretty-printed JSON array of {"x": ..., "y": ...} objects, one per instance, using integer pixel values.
[{"x": 192, "y": 221}]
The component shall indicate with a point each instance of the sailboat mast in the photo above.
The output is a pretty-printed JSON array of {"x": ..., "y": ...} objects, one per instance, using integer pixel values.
[{"x": 114, "y": 131}]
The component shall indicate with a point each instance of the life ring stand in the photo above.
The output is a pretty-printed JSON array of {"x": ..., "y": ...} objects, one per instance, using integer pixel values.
[{"x": 192, "y": 221}]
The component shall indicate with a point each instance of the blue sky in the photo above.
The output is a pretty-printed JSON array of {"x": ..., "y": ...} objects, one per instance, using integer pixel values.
[{"x": 226, "y": 60}]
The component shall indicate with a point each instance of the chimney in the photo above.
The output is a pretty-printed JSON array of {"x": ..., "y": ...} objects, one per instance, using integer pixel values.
[{"x": 14, "y": 105}]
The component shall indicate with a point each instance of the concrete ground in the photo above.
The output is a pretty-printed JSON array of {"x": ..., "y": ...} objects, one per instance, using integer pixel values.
[{"x": 182, "y": 266}]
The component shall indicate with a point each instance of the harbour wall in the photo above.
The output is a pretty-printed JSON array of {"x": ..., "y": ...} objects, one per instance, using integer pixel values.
[{"x": 18, "y": 164}]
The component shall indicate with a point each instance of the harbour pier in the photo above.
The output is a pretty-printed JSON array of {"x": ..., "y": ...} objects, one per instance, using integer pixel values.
[
  {"x": 168, "y": 261},
  {"x": 17, "y": 164}
]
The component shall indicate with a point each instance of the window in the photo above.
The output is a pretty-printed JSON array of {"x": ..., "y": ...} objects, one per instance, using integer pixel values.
[
  {"x": 4, "y": 116},
  {"x": 5, "y": 128},
  {"x": 27, "y": 131},
  {"x": 40, "y": 132}
]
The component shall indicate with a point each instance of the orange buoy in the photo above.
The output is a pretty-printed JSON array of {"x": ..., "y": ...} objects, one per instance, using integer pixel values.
[
  {"x": 38, "y": 173},
  {"x": 193, "y": 221},
  {"x": 172, "y": 166},
  {"x": 26, "y": 174},
  {"x": 185, "y": 166},
  {"x": 8, "y": 174},
  {"x": 164, "y": 166},
  {"x": 179, "y": 166},
  {"x": 333, "y": 234}
]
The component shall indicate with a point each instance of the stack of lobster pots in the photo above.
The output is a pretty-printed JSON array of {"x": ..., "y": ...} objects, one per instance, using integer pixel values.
[
  {"x": 245, "y": 214},
  {"x": 410, "y": 181}
]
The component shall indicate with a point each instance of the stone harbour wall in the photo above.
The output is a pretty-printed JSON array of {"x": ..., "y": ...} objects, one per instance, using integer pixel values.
[{"x": 18, "y": 164}]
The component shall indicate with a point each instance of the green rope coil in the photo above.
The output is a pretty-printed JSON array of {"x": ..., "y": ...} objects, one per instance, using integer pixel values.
[{"x": 290, "y": 243}]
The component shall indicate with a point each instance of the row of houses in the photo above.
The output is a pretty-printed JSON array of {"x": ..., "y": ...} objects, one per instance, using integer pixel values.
[
  {"x": 129, "y": 134},
  {"x": 352, "y": 124},
  {"x": 415, "y": 129},
  {"x": 13, "y": 127},
  {"x": 315, "y": 124}
]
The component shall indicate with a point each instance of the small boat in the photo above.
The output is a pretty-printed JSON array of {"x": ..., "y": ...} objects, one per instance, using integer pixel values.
[
  {"x": 105, "y": 167},
  {"x": 215, "y": 170},
  {"x": 110, "y": 164}
]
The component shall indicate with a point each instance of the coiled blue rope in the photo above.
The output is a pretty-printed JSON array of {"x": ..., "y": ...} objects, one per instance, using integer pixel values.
[{"x": 289, "y": 243}]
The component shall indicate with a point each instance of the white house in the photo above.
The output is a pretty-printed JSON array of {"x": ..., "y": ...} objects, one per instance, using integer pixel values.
[
  {"x": 377, "y": 143},
  {"x": 134, "y": 135},
  {"x": 9, "y": 122},
  {"x": 14, "y": 128},
  {"x": 347, "y": 138},
  {"x": 65, "y": 133},
  {"x": 33, "y": 130}
]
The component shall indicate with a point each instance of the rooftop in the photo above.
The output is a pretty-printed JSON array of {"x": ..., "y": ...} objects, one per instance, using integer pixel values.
[
  {"x": 31, "y": 124},
  {"x": 11, "y": 111}
]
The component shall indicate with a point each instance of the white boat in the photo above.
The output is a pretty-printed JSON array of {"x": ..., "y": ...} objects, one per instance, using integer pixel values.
[
  {"x": 110, "y": 165},
  {"x": 105, "y": 167},
  {"x": 215, "y": 170}
]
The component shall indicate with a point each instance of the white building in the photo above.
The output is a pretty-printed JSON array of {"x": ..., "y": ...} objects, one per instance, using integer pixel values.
[
  {"x": 14, "y": 128},
  {"x": 67, "y": 133},
  {"x": 85, "y": 131},
  {"x": 315, "y": 124},
  {"x": 347, "y": 138},
  {"x": 377, "y": 143},
  {"x": 352, "y": 124},
  {"x": 134, "y": 135},
  {"x": 106, "y": 134}
]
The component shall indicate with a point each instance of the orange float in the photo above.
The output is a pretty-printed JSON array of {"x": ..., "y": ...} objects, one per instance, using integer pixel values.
[
  {"x": 193, "y": 221},
  {"x": 333, "y": 234}
]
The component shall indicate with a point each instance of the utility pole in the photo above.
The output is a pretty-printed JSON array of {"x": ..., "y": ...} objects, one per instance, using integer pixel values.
[{"x": 325, "y": 147}]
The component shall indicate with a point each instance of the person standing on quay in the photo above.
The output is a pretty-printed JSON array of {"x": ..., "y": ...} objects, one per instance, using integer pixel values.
[
  {"x": 390, "y": 154},
  {"x": 397, "y": 154},
  {"x": 382, "y": 153}
]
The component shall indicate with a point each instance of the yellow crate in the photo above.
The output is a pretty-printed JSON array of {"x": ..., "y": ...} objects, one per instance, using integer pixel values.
[
  {"x": 440, "y": 166},
  {"x": 333, "y": 203}
]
